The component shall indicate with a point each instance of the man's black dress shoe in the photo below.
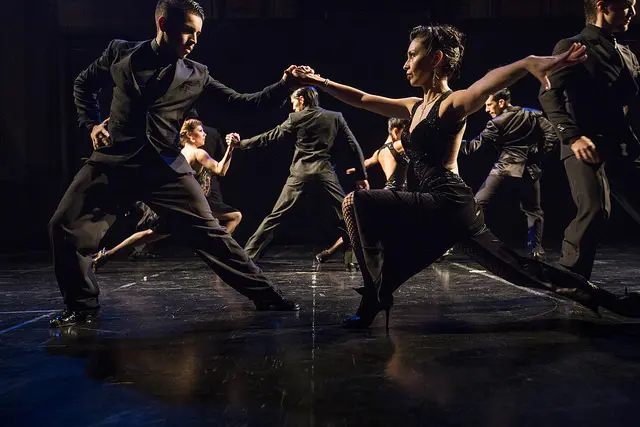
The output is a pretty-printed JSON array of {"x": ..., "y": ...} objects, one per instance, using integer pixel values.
[
  {"x": 71, "y": 317},
  {"x": 279, "y": 303}
]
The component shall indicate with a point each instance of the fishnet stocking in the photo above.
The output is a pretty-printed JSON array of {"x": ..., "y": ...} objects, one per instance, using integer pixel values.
[{"x": 351, "y": 222}]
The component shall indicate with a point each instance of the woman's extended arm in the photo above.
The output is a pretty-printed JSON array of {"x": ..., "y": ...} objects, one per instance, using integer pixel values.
[
  {"x": 218, "y": 168},
  {"x": 389, "y": 107},
  {"x": 464, "y": 102}
]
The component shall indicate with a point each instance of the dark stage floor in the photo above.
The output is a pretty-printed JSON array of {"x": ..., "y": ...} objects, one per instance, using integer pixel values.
[{"x": 176, "y": 347}]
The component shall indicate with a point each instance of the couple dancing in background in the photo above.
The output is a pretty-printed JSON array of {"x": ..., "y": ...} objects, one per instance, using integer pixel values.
[{"x": 137, "y": 158}]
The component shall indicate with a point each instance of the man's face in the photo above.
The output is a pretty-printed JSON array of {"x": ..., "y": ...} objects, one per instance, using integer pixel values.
[
  {"x": 297, "y": 103},
  {"x": 494, "y": 108},
  {"x": 618, "y": 14},
  {"x": 181, "y": 33}
]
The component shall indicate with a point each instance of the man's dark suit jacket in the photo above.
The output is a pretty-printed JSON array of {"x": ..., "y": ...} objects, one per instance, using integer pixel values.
[
  {"x": 591, "y": 99},
  {"x": 315, "y": 130},
  {"x": 136, "y": 120},
  {"x": 521, "y": 136}
]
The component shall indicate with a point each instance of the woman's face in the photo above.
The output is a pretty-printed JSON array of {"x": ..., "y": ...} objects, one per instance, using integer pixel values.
[
  {"x": 198, "y": 136},
  {"x": 418, "y": 67}
]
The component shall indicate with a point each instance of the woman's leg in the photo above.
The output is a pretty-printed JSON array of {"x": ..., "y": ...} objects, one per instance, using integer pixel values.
[
  {"x": 395, "y": 235},
  {"x": 229, "y": 220},
  {"x": 139, "y": 238}
]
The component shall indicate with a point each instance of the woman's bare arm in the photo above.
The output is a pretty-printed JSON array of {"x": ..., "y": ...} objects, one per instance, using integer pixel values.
[
  {"x": 464, "y": 102},
  {"x": 218, "y": 168},
  {"x": 389, "y": 107}
]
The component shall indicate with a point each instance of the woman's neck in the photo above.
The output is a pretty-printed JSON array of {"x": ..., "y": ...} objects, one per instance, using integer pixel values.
[{"x": 432, "y": 92}]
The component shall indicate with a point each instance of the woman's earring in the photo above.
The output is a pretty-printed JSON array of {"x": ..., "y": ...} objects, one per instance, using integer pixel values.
[{"x": 435, "y": 79}]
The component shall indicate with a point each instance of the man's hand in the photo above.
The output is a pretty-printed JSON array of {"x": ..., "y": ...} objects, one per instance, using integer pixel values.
[
  {"x": 362, "y": 184},
  {"x": 100, "y": 137},
  {"x": 233, "y": 139},
  {"x": 301, "y": 75},
  {"x": 585, "y": 150},
  {"x": 542, "y": 66}
]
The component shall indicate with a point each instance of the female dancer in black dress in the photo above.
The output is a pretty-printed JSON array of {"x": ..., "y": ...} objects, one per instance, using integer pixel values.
[
  {"x": 394, "y": 163},
  {"x": 442, "y": 211}
]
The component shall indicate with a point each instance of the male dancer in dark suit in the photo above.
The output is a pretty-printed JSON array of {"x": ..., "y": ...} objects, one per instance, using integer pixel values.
[
  {"x": 588, "y": 105},
  {"x": 315, "y": 130},
  {"x": 137, "y": 157},
  {"x": 520, "y": 135}
]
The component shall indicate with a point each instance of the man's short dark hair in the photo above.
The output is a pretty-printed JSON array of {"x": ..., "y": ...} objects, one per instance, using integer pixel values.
[
  {"x": 164, "y": 8},
  {"x": 191, "y": 114},
  {"x": 591, "y": 10},
  {"x": 395, "y": 123},
  {"x": 502, "y": 94},
  {"x": 309, "y": 94}
]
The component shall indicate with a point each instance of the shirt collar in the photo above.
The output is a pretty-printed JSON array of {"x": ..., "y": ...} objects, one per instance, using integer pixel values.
[
  {"x": 162, "y": 55},
  {"x": 596, "y": 32}
]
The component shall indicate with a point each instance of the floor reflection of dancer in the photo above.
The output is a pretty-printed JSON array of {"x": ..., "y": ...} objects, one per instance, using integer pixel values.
[
  {"x": 520, "y": 135},
  {"x": 315, "y": 130},
  {"x": 137, "y": 157},
  {"x": 192, "y": 139},
  {"x": 589, "y": 106},
  {"x": 394, "y": 163},
  {"x": 442, "y": 211}
]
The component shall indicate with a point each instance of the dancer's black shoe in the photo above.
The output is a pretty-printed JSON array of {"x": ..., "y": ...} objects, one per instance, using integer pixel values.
[
  {"x": 323, "y": 256},
  {"x": 368, "y": 310},
  {"x": 278, "y": 303},
  {"x": 349, "y": 258},
  {"x": 538, "y": 254},
  {"x": 73, "y": 317},
  {"x": 627, "y": 305},
  {"x": 447, "y": 253}
]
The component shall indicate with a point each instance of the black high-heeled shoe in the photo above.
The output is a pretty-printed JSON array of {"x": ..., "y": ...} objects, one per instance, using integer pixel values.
[
  {"x": 323, "y": 256},
  {"x": 367, "y": 312}
]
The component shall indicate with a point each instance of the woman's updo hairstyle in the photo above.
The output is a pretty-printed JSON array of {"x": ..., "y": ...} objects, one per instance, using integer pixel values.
[{"x": 445, "y": 38}]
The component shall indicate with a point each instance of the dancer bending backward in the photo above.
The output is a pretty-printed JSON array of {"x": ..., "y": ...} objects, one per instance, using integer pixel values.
[
  {"x": 394, "y": 163},
  {"x": 442, "y": 211},
  {"x": 192, "y": 138}
]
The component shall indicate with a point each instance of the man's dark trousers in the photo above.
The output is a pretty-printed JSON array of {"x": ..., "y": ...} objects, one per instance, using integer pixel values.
[
  {"x": 88, "y": 208},
  {"x": 293, "y": 190},
  {"x": 591, "y": 192}
]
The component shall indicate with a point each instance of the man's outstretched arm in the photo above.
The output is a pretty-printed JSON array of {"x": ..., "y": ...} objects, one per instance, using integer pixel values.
[
  {"x": 357, "y": 158},
  {"x": 489, "y": 134},
  {"x": 270, "y": 95},
  {"x": 268, "y": 137}
]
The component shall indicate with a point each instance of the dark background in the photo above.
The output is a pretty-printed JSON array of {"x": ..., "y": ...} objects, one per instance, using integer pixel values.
[{"x": 247, "y": 44}]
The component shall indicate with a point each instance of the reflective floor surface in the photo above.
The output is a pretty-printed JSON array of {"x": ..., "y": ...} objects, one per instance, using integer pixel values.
[{"x": 176, "y": 347}]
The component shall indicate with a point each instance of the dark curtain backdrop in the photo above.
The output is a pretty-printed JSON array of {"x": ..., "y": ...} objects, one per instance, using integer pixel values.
[{"x": 246, "y": 45}]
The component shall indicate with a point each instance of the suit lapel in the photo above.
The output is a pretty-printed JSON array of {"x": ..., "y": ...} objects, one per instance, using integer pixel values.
[
  {"x": 182, "y": 74},
  {"x": 122, "y": 71}
]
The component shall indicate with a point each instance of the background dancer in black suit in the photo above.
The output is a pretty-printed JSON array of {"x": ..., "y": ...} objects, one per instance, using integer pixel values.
[
  {"x": 589, "y": 105},
  {"x": 315, "y": 130},
  {"x": 521, "y": 136}
]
